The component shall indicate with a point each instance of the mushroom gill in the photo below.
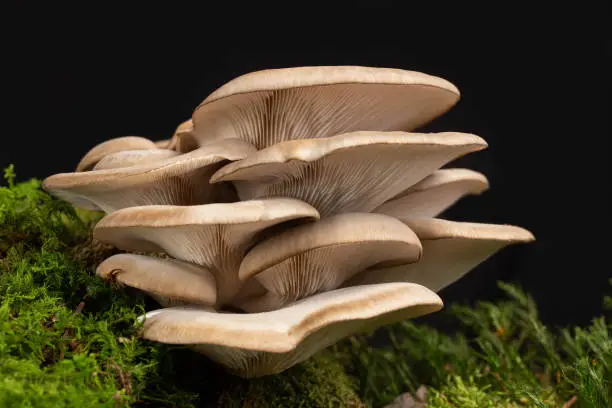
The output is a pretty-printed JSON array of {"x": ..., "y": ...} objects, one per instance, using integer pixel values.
[
  {"x": 435, "y": 193},
  {"x": 169, "y": 281},
  {"x": 256, "y": 344},
  {"x": 352, "y": 172},
  {"x": 178, "y": 180},
  {"x": 277, "y": 105},
  {"x": 213, "y": 236},
  {"x": 450, "y": 250},
  {"x": 296, "y": 263}
]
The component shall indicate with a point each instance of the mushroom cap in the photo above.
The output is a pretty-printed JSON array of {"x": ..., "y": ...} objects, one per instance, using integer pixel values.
[
  {"x": 271, "y": 106},
  {"x": 182, "y": 138},
  {"x": 320, "y": 256},
  {"x": 214, "y": 236},
  {"x": 115, "y": 145},
  {"x": 450, "y": 250},
  {"x": 352, "y": 172},
  {"x": 257, "y": 344},
  {"x": 163, "y": 144},
  {"x": 435, "y": 193},
  {"x": 185, "y": 126},
  {"x": 167, "y": 280},
  {"x": 180, "y": 179},
  {"x": 128, "y": 158}
]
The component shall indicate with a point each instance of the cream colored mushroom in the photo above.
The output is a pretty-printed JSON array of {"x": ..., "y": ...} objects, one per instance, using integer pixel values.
[
  {"x": 353, "y": 172},
  {"x": 182, "y": 135},
  {"x": 179, "y": 180},
  {"x": 435, "y": 193},
  {"x": 450, "y": 250},
  {"x": 168, "y": 281},
  {"x": 276, "y": 105},
  {"x": 163, "y": 144},
  {"x": 320, "y": 256},
  {"x": 128, "y": 158},
  {"x": 115, "y": 145},
  {"x": 213, "y": 236},
  {"x": 258, "y": 344},
  {"x": 295, "y": 145}
]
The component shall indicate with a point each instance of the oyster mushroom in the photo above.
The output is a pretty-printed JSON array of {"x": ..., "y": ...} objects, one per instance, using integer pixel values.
[
  {"x": 213, "y": 236},
  {"x": 183, "y": 132},
  {"x": 334, "y": 193},
  {"x": 276, "y": 105},
  {"x": 169, "y": 281},
  {"x": 128, "y": 158},
  {"x": 352, "y": 172},
  {"x": 319, "y": 256},
  {"x": 450, "y": 250},
  {"x": 163, "y": 144},
  {"x": 178, "y": 180},
  {"x": 435, "y": 193},
  {"x": 118, "y": 144},
  {"x": 257, "y": 344}
]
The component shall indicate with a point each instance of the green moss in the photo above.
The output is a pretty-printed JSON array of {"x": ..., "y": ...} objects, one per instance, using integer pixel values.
[
  {"x": 503, "y": 357},
  {"x": 66, "y": 339},
  {"x": 318, "y": 382},
  {"x": 69, "y": 339}
]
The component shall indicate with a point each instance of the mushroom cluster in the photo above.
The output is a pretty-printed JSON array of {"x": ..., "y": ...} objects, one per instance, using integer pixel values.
[{"x": 296, "y": 207}]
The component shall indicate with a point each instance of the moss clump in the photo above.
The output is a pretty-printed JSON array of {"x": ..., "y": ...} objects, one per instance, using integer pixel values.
[
  {"x": 503, "y": 357},
  {"x": 318, "y": 382},
  {"x": 67, "y": 339}
]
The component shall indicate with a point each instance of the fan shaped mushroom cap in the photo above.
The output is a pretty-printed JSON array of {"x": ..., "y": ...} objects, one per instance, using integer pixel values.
[
  {"x": 214, "y": 236},
  {"x": 320, "y": 256},
  {"x": 163, "y": 144},
  {"x": 113, "y": 146},
  {"x": 450, "y": 250},
  {"x": 182, "y": 140},
  {"x": 128, "y": 158},
  {"x": 167, "y": 280},
  {"x": 276, "y": 105},
  {"x": 258, "y": 344},
  {"x": 185, "y": 126},
  {"x": 435, "y": 193},
  {"x": 180, "y": 180},
  {"x": 352, "y": 172}
]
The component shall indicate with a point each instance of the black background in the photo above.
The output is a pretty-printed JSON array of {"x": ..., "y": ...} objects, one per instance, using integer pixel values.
[{"x": 535, "y": 84}]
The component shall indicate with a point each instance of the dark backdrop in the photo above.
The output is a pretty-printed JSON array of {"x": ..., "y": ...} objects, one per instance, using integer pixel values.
[{"x": 535, "y": 84}]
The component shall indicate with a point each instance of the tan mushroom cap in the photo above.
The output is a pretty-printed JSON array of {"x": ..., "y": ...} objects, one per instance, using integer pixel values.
[
  {"x": 169, "y": 281},
  {"x": 178, "y": 180},
  {"x": 257, "y": 344},
  {"x": 163, "y": 144},
  {"x": 128, "y": 158},
  {"x": 214, "y": 236},
  {"x": 182, "y": 139},
  {"x": 450, "y": 250},
  {"x": 185, "y": 126},
  {"x": 352, "y": 172},
  {"x": 276, "y": 105},
  {"x": 435, "y": 193},
  {"x": 113, "y": 146},
  {"x": 320, "y": 256}
]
